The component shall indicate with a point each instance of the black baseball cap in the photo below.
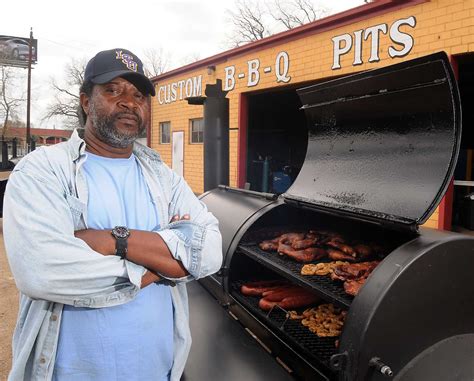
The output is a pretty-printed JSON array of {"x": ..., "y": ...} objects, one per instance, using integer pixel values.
[{"x": 110, "y": 64}]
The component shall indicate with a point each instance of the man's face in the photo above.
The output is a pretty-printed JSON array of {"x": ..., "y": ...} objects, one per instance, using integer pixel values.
[{"x": 117, "y": 112}]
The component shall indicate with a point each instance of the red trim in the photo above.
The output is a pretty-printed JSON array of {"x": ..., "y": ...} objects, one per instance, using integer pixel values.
[
  {"x": 242, "y": 141},
  {"x": 445, "y": 217},
  {"x": 148, "y": 127},
  {"x": 348, "y": 17}
]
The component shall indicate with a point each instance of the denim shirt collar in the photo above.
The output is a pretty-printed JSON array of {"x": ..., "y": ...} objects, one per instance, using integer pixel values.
[{"x": 77, "y": 147}]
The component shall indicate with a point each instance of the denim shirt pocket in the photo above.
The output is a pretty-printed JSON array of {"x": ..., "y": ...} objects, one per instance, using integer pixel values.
[{"x": 77, "y": 208}]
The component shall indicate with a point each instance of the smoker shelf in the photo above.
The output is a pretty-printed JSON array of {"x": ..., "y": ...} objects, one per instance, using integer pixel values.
[
  {"x": 318, "y": 349},
  {"x": 332, "y": 291}
]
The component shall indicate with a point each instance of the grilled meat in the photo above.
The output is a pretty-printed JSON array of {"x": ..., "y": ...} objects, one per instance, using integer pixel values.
[
  {"x": 352, "y": 287},
  {"x": 294, "y": 297},
  {"x": 307, "y": 255},
  {"x": 354, "y": 270},
  {"x": 288, "y": 238},
  {"x": 337, "y": 255},
  {"x": 353, "y": 275},
  {"x": 363, "y": 251},
  {"x": 259, "y": 288},
  {"x": 304, "y": 243},
  {"x": 322, "y": 268},
  {"x": 269, "y": 245},
  {"x": 324, "y": 320},
  {"x": 346, "y": 249}
]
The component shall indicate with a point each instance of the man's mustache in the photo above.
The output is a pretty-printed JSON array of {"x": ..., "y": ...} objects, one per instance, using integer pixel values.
[{"x": 121, "y": 114}]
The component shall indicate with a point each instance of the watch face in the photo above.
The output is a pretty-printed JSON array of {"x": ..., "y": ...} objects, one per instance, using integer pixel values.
[{"x": 120, "y": 232}]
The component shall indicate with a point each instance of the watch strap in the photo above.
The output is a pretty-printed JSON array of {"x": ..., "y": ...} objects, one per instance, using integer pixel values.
[
  {"x": 121, "y": 234},
  {"x": 121, "y": 247}
]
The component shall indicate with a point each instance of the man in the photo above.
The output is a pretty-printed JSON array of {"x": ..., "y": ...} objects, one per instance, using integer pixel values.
[{"x": 97, "y": 231}]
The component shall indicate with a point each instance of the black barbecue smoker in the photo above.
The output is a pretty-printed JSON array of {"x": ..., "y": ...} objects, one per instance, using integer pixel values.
[{"x": 382, "y": 146}]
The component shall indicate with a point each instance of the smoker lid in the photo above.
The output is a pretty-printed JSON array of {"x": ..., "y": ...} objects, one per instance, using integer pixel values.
[
  {"x": 382, "y": 143},
  {"x": 233, "y": 207}
]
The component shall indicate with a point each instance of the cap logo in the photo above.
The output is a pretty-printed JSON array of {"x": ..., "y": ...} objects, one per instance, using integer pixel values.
[{"x": 127, "y": 60}]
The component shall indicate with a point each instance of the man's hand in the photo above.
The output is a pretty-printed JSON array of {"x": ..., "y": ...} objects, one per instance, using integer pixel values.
[
  {"x": 178, "y": 218},
  {"x": 149, "y": 278}
]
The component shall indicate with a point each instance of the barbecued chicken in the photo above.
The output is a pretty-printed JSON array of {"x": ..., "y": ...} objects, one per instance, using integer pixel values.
[
  {"x": 307, "y": 255},
  {"x": 269, "y": 245},
  {"x": 353, "y": 270},
  {"x": 305, "y": 243},
  {"x": 289, "y": 238},
  {"x": 346, "y": 249},
  {"x": 352, "y": 287},
  {"x": 337, "y": 255}
]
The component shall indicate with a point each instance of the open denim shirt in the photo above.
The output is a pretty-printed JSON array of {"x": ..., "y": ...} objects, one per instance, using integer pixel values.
[{"x": 45, "y": 202}]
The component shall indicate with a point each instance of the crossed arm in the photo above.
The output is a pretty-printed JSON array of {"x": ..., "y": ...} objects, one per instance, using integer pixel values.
[
  {"x": 144, "y": 248},
  {"x": 51, "y": 261}
]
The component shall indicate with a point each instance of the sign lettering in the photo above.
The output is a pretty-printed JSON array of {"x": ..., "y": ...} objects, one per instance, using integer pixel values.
[
  {"x": 344, "y": 43},
  {"x": 190, "y": 87}
]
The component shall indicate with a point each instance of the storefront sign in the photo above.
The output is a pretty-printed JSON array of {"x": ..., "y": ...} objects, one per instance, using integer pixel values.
[
  {"x": 190, "y": 87},
  {"x": 402, "y": 42},
  {"x": 254, "y": 71}
]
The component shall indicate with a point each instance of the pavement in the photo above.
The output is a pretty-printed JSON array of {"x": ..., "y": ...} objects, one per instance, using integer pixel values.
[{"x": 8, "y": 309}]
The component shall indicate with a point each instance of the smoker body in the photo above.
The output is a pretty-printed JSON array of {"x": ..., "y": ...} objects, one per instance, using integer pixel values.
[{"x": 382, "y": 147}]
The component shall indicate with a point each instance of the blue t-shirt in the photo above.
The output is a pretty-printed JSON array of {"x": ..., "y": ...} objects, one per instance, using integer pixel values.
[{"x": 132, "y": 341}]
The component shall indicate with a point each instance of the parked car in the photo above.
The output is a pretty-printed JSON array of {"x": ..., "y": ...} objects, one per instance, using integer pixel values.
[{"x": 16, "y": 49}]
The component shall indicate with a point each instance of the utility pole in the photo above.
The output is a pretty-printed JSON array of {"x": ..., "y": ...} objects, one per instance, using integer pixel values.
[{"x": 28, "y": 97}]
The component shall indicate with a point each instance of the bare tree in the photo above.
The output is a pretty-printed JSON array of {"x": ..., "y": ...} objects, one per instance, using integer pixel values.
[
  {"x": 255, "y": 20},
  {"x": 295, "y": 13},
  {"x": 249, "y": 22},
  {"x": 156, "y": 61},
  {"x": 190, "y": 58},
  {"x": 10, "y": 99},
  {"x": 66, "y": 98}
]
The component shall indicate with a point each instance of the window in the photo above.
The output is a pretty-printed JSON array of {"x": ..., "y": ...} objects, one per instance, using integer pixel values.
[
  {"x": 165, "y": 132},
  {"x": 196, "y": 127}
]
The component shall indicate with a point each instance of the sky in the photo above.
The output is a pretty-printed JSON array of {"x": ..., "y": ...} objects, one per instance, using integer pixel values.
[{"x": 68, "y": 30}]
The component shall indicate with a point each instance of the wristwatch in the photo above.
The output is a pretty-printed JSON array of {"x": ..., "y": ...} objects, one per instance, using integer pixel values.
[{"x": 121, "y": 234}]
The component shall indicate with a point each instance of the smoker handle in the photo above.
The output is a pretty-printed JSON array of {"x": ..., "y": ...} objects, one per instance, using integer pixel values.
[
  {"x": 283, "y": 311},
  {"x": 339, "y": 361},
  {"x": 384, "y": 369},
  {"x": 268, "y": 196}
]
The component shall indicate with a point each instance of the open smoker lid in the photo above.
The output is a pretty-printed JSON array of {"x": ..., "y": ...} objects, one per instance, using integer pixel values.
[{"x": 383, "y": 143}]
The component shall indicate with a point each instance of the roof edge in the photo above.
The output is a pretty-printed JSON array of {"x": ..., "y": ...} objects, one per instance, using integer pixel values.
[{"x": 331, "y": 22}]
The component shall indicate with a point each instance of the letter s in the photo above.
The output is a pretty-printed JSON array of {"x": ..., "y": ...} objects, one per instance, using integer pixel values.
[{"x": 399, "y": 38}]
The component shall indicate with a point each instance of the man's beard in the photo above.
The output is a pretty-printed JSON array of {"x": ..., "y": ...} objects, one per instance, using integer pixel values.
[{"x": 107, "y": 132}]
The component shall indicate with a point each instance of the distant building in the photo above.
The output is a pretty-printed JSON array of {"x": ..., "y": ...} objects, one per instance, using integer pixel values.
[{"x": 44, "y": 136}]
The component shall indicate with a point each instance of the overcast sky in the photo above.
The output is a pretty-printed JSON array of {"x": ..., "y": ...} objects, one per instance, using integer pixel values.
[{"x": 77, "y": 29}]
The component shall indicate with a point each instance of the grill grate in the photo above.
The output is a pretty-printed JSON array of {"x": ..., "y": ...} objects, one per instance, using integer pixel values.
[
  {"x": 317, "y": 350},
  {"x": 331, "y": 290}
]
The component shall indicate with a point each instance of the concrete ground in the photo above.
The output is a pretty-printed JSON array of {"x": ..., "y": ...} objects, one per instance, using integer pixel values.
[{"x": 8, "y": 309}]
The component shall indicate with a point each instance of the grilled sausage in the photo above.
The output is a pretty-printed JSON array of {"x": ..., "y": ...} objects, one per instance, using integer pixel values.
[
  {"x": 297, "y": 301},
  {"x": 258, "y": 288},
  {"x": 291, "y": 301},
  {"x": 282, "y": 288},
  {"x": 277, "y": 296},
  {"x": 266, "y": 305}
]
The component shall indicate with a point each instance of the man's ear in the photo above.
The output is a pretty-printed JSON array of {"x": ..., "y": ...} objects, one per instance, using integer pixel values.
[{"x": 85, "y": 102}]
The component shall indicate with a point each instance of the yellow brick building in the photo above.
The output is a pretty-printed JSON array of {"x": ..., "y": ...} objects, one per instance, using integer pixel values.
[{"x": 373, "y": 35}]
